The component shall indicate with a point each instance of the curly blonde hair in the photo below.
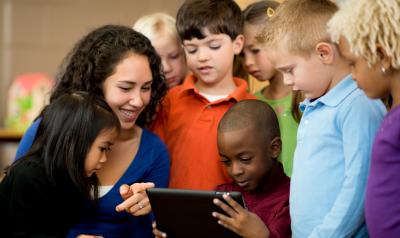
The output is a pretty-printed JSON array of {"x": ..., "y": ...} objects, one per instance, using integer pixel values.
[{"x": 367, "y": 24}]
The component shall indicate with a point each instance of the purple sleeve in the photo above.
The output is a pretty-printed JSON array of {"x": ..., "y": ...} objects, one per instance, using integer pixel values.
[{"x": 382, "y": 204}]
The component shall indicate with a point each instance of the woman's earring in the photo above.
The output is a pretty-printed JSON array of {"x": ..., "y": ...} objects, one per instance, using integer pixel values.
[{"x": 383, "y": 69}]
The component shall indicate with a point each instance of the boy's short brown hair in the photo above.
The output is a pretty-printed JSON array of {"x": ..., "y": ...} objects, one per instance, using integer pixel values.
[
  {"x": 218, "y": 16},
  {"x": 299, "y": 25}
]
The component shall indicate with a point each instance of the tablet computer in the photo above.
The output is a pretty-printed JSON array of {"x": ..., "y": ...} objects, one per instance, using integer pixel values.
[{"x": 187, "y": 213}]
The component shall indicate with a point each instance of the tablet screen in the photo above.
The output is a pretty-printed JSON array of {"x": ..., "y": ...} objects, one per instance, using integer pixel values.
[{"x": 185, "y": 213}]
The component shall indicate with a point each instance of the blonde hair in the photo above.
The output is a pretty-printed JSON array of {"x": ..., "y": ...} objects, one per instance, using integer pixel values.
[
  {"x": 367, "y": 24},
  {"x": 154, "y": 24},
  {"x": 300, "y": 24}
]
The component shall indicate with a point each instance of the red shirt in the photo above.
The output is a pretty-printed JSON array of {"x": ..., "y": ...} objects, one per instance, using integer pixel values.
[
  {"x": 187, "y": 122},
  {"x": 270, "y": 203}
]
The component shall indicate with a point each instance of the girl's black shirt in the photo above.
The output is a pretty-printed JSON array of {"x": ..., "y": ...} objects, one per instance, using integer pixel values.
[{"x": 34, "y": 206}]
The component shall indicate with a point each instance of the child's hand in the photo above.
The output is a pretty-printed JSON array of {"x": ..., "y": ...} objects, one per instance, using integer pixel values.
[
  {"x": 135, "y": 198},
  {"x": 240, "y": 221},
  {"x": 157, "y": 233}
]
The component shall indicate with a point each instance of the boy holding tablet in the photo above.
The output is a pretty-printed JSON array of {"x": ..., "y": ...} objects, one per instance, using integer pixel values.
[{"x": 249, "y": 144}]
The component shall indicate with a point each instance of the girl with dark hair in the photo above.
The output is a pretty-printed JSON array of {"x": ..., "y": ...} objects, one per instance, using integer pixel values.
[
  {"x": 282, "y": 98},
  {"x": 42, "y": 192},
  {"x": 121, "y": 65}
]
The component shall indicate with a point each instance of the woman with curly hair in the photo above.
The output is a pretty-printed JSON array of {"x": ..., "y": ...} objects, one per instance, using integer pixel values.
[
  {"x": 120, "y": 65},
  {"x": 368, "y": 34}
]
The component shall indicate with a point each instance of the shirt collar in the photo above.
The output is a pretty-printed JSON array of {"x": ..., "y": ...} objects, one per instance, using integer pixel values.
[
  {"x": 334, "y": 96},
  {"x": 240, "y": 92}
]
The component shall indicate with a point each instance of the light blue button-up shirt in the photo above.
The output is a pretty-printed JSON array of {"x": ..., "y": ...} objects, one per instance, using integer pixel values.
[{"x": 331, "y": 163}]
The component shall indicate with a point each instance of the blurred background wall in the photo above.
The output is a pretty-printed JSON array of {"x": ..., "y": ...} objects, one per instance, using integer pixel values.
[{"x": 35, "y": 35}]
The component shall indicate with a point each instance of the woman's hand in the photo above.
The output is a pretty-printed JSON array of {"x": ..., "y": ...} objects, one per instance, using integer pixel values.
[
  {"x": 135, "y": 198},
  {"x": 240, "y": 220}
]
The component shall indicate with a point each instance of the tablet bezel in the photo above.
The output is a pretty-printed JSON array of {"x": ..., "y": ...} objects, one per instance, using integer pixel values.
[{"x": 172, "y": 209}]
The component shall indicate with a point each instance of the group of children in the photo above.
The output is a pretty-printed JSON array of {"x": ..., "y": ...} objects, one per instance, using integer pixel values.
[
  {"x": 338, "y": 124},
  {"x": 214, "y": 133}
]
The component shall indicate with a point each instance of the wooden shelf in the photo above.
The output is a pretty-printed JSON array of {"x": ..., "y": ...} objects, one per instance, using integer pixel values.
[{"x": 7, "y": 135}]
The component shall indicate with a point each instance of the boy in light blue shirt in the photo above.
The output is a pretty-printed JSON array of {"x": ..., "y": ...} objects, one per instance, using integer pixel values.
[{"x": 336, "y": 131}]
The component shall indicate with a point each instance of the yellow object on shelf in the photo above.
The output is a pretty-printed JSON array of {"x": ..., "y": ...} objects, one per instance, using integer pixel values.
[{"x": 7, "y": 135}]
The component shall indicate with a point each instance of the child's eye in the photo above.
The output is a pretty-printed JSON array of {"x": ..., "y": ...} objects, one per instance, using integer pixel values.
[
  {"x": 175, "y": 56},
  {"x": 191, "y": 50},
  {"x": 215, "y": 47},
  {"x": 255, "y": 51},
  {"x": 225, "y": 161},
  {"x": 104, "y": 149},
  {"x": 288, "y": 71},
  {"x": 245, "y": 159}
]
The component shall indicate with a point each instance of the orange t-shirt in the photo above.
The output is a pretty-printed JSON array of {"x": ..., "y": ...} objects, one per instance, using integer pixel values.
[{"x": 187, "y": 122}]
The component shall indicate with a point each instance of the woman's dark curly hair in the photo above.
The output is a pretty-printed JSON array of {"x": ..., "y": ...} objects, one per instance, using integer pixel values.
[{"x": 95, "y": 57}]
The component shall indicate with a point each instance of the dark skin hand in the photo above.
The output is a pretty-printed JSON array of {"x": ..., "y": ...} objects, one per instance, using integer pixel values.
[
  {"x": 240, "y": 220},
  {"x": 157, "y": 233}
]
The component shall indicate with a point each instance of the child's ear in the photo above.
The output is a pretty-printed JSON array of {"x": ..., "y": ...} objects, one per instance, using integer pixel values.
[
  {"x": 384, "y": 59},
  {"x": 325, "y": 52},
  {"x": 275, "y": 147},
  {"x": 238, "y": 44}
]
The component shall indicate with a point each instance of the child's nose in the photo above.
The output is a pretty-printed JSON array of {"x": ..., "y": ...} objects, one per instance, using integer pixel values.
[
  {"x": 166, "y": 66},
  {"x": 248, "y": 61},
  {"x": 237, "y": 169},
  {"x": 287, "y": 81},
  {"x": 103, "y": 158},
  {"x": 202, "y": 55}
]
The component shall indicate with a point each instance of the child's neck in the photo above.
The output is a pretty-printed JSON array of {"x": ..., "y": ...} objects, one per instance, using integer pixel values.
[
  {"x": 223, "y": 87},
  {"x": 395, "y": 89},
  {"x": 340, "y": 71},
  {"x": 270, "y": 179},
  {"x": 276, "y": 89}
]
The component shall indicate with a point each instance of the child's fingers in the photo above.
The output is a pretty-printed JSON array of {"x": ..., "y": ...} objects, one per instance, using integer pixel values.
[
  {"x": 224, "y": 207},
  {"x": 225, "y": 221},
  {"x": 157, "y": 233},
  {"x": 219, "y": 216},
  {"x": 236, "y": 206}
]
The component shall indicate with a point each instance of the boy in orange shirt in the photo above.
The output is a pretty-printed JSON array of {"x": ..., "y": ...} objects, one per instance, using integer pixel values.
[{"x": 211, "y": 33}]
